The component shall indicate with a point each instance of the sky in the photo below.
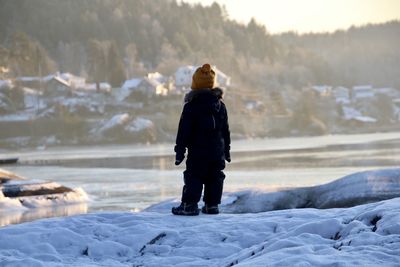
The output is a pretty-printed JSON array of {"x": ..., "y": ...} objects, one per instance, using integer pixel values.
[{"x": 309, "y": 15}]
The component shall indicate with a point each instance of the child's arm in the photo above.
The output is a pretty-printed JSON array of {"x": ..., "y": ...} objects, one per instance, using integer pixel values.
[
  {"x": 184, "y": 133},
  {"x": 226, "y": 134}
]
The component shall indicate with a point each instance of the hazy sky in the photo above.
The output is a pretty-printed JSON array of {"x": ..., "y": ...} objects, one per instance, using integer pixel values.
[{"x": 309, "y": 15}]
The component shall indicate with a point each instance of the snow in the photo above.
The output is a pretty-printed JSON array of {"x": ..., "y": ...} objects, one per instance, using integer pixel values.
[
  {"x": 6, "y": 83},
  {"x": 139, "y": 124},
  {"x": 132, "y": 83},
  {"x": 74, "y": 81},
  {"x": 123, "y": 120},
  {"x": 354, "y": 114},
  {"x": 11, "y": 183},
  {"x": 35, "y": 78},
  {"x": 365, "y": 235},
  {"x": 62, "y": 81},
  {"x": 77, "y": 195},
  {"x": 116, "y": 120},
  {"x": 127, "y": 88},
  {"x": 354, "y": 189}
]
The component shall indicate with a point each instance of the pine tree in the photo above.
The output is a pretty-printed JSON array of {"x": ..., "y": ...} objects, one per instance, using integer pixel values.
[
  {"x": 115, "y": 66},
  {"x": 97, "y": 61}
]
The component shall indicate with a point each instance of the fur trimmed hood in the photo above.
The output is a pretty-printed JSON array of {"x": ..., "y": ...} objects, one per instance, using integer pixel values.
[{"x": 193, "y": 94}]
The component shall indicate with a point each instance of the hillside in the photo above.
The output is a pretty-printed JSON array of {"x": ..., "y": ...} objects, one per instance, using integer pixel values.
[{"x": 162, "y": 35}]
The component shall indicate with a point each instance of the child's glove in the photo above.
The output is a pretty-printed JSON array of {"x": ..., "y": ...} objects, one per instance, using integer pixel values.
[
  {"x": 179, "y": 158},
  {"x": 228, "y": 156}
]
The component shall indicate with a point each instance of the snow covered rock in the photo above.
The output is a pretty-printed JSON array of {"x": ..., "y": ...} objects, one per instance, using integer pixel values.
[
  {"x": 358, "y": 188},
  {"x": 20, "y": 193},
  {"x": 123, "y": 127},
  {"x": 354, "y": 189}
]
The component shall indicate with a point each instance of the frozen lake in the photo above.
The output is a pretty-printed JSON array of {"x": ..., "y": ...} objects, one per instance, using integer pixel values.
[{"x": 133, "y": 177}]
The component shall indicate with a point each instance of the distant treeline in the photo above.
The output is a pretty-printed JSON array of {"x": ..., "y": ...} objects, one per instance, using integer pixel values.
[{"x": 116, "y": 39}]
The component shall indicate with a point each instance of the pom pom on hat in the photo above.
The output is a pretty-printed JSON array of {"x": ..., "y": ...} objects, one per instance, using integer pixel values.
[{"x": 203, "y": 77}]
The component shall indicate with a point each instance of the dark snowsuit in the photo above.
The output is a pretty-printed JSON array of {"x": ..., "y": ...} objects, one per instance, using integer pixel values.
[{"x": 204, "y": 131}]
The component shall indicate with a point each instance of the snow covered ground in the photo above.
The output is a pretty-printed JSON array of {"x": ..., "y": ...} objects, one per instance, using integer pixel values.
[{"x": 365, "y": 235}]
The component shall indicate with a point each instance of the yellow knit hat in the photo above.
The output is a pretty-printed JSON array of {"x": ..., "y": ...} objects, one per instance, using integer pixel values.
[{"x": 203, "y": 77}]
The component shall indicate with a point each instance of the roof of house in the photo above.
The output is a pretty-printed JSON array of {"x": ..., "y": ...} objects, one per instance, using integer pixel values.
[
  {"x": 61, "y": 81},
  {"x": 132, "y": 83}
]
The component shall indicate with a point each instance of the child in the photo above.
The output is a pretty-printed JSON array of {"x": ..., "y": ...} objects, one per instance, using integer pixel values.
[{"x": 204, "y": 131}]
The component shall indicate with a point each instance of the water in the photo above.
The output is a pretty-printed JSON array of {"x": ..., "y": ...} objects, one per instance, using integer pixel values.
[{"x": 133, "y": 177}]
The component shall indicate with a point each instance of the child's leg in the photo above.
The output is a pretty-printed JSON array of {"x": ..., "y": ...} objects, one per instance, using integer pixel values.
[
  {"x": 214, "y": 185},
  {"x": 193, "y": 187}
]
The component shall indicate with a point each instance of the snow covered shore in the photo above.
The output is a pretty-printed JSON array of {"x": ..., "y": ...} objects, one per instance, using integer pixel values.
[{"x": 365, "y": 235}]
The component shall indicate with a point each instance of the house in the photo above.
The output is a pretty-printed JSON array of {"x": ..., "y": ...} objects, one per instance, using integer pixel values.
[
  {"x": 92, "y": 88},
  {"x": 151, "y": 87},
  {"x": 322, "y": 90},
  {"x": 341, "y": 95},
  {"x": 221, "y": 79},
  {"x": 183, "y": 77},
  {"x": 6, "y": 84},
  {"x": 157, "y": 76},
  {"x": 35, "y": 82},
  {"x": 32, "y": 98},
  {"x": 362, "y": 92},
  {"x": 135, "y": 89},
  {"x": 127, "y": 88},
  {"x": 388, "y": 91},
  {"x": 57, "y": 86},
  {"x": 73, "y": 80}
]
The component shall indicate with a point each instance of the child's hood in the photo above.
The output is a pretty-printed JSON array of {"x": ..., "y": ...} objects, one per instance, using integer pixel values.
[{"x": 209, "y": 99}]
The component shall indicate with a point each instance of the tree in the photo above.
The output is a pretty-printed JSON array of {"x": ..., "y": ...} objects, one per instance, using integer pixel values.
[
  {"x": 115, "y": 66},
  {"x": 28, "y": 57},
  {"x": 97, "y": 61}
]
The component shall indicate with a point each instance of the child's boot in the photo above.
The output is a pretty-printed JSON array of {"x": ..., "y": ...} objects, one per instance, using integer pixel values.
[
  {"x": 210, "y": 209},
  {"x": 186, "y": 209}
]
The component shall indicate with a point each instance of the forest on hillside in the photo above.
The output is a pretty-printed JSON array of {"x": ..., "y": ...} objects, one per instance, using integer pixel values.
[{"x": 119, "y": 39}]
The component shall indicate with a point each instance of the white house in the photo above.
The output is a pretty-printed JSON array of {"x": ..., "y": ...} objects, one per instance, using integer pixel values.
[
  {"x": 57, "y": 86},
  {"x": 32, "y": 98},
  {"x": 361, "y": 92},
  {"x": 152, "y": 87},
  {"x": 73, "y": 80},
  {"x": 157, "y": 76},
  {"x": 221, "y": 78},
  {"x": 183, "y": 76},
  {"x": 147, "y": 87},
  {"x": 388, "y": 91},
  {"x": 341, "y": 94},
  {"x": 322, "y": 90},
  {"x": 6, "y": 84}
]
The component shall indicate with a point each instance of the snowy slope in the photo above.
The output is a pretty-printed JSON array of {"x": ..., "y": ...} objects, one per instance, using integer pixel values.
[{"x": 367, "y": 235}]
